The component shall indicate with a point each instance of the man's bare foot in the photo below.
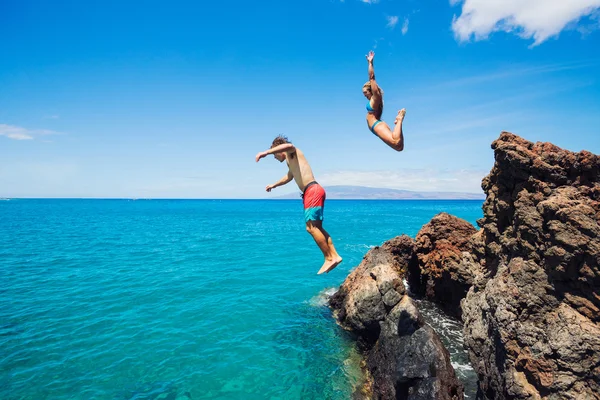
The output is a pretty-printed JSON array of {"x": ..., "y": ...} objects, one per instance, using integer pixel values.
[
  {"x": 400, "y": 116},
  {"x": 328, "y": 265}
]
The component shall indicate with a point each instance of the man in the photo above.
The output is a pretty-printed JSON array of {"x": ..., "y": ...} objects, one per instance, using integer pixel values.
[{"x": 313, "y": 196}]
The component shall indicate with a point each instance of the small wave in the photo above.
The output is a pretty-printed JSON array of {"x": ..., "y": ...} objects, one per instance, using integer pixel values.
[
  {"x": 461, "y": 367},
  {"x": 359, "y": 247},
  {"x": 322, "y": 298}
]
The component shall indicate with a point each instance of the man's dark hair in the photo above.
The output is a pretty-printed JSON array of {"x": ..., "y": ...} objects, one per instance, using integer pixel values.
[{"x": 281, "y": 139}]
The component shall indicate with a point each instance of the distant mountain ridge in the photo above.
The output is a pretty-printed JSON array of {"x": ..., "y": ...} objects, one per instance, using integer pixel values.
[{"x": 371, "y": 193}]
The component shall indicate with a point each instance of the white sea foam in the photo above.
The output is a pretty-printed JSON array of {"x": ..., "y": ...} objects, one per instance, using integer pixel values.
[
  {"x": 461, "y": 367},
  {"x": 405, "y": 282},
  {"x": 322, "y": 298},
  {"x": 358, "y": 247}
]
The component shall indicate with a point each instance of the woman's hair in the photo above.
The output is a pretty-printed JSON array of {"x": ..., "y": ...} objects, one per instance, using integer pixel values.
[
  {"x": 281, "y": 139},
  {"x": 368, "y": 87}
]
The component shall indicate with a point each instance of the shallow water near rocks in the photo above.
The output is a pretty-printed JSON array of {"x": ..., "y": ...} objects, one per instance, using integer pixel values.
[{"x": 450, "y": 331}]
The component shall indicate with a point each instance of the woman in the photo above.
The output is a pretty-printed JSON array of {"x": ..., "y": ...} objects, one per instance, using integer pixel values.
[{"x": 373, "y": 92}]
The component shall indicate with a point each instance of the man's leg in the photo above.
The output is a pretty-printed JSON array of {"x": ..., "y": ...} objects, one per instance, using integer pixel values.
[
  {"x": 319, "y": 237},
  {"x": 323, "y": 240},
  {"x": 332, "y": 251},
  {"x": 314, "y": 201}
]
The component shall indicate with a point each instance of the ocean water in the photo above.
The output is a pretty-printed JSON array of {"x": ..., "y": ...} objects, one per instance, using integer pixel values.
[{"x": 183, "y": 299}]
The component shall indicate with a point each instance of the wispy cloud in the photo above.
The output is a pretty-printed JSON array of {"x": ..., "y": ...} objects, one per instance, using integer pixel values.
[
  {"x": 457, "y": 123},
  {"x": 392, "y": 20},
  {"x": 485, "y": 113},
  {"x": 19, "y": 133},
  {"x": 370, "y": 1},
  {"x": 15, "y": 132},
  {"x": 433, "y": 180},
  {"x": 405, "y": 26},
  {"x": 524, "y": 70},
  {"x": 586, "y": 29},
  {"x": 529, "y": 19}
]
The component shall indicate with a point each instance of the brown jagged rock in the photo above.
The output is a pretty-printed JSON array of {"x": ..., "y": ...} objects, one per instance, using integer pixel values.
[
  {"x": 446, "y": 264},
  {"x": 404, "y": 356},
  {"x": 373, "y": 288},
  {"x": 532, "y": 319}
]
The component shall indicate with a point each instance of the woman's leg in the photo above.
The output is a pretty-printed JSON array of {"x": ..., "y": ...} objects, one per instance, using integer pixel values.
[
  {"x": 395, "y": 138},
  {"x": 397, "y": 135}
]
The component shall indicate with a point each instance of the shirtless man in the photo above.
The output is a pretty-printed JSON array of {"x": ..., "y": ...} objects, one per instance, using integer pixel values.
[{"x": 313, "y": 196}]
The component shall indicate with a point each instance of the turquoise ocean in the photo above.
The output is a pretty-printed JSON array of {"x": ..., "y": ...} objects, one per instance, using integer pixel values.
[{"x": 183, "y": 299}]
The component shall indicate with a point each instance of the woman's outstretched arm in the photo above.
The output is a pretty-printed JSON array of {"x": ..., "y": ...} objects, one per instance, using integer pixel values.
[{"x": 374, "y": 87}]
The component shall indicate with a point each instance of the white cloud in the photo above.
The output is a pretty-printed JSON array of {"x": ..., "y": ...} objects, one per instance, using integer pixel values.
[
  {"x": 370, "y": 1},
  {"x": 19, "y": 133},
  {"x": 537, "y": 19},
  {"x": 431, "y": 180},
  {"x": 14, "y": 132},
  {"x": 392, "y": 21},
  {"x": 405, "y": 26}
]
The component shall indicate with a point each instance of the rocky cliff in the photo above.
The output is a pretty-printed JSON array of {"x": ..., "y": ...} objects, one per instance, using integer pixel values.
[
  {"x": 532, "y": 320},
  {"x": 526, "y": 285}
]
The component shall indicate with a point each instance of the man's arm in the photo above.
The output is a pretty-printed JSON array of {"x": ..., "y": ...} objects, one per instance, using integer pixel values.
[
  {"x": 281, "y": 182},
  {"x": 287, "y": 147}
]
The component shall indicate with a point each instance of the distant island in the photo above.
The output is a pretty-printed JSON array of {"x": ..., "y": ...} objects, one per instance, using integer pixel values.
[{"x": 371, "y": 193}]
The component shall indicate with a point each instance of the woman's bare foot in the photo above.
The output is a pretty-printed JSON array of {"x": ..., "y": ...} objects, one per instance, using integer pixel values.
[
  {"x": 397, "y": 135},
  {"x": 400, "y": 116},
  {"x": 328, "y": 265}
]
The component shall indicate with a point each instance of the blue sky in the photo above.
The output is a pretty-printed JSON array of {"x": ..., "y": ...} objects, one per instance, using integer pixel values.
[{"x": 174, "y": 99}]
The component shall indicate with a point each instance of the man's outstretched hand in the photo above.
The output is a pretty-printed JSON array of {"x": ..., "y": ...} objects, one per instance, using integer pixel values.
[
  {"x": 260, "y": 155},
  {"x": 270, "y": 187}
]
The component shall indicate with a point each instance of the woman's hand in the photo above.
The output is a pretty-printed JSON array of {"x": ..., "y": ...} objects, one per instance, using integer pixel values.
[{"x": 370, "y": 56}]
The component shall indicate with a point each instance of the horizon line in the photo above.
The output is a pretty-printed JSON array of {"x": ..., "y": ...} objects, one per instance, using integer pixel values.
[{"x": 210, "y": 198}]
